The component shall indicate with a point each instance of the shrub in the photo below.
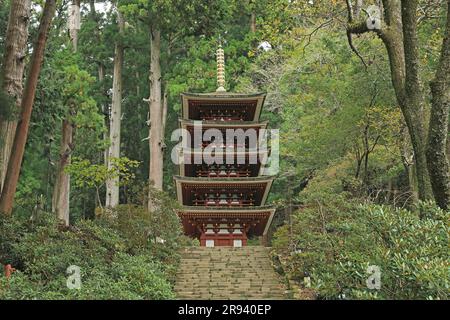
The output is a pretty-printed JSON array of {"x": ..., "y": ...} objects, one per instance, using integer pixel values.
[
  {"x": 118, "y": 257},
  {"x": 336, "y": 240}
]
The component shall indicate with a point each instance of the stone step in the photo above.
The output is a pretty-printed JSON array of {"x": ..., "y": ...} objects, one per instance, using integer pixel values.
[
  {"x": 271, "y": 285},
  {"x": 227, "y": 273}
]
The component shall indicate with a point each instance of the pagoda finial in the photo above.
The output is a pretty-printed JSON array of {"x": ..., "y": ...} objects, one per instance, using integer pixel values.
[{"x": 220, "y": 69}]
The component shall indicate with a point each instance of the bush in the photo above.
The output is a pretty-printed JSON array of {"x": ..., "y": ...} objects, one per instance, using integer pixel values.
[
  {"x": 118, "y": 257},
  {"x": 336, "y": 239}
]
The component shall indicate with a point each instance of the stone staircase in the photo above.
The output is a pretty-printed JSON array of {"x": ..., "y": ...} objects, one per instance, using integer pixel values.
[{"x": 227, "y": 273}]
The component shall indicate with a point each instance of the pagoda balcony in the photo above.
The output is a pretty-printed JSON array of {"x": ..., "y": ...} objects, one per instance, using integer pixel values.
[
  {"x": 233, "y": 134},
  {"x": 223, "y": 173},
  {"x": 250, "y": 221},
  {"x": 222, "y": 117},
  {"x": 224, "y": 147},
  {"x": 223, "y": 202},
  {"x": 241, "y": 164},
  {"x": 227, "y": 191}
]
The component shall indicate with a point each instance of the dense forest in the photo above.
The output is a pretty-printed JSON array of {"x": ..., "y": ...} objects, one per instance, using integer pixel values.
[{"x": 90, "y": 96}]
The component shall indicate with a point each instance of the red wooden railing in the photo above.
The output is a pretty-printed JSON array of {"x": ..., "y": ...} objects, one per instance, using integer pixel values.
[
  {"x": 217, "y": 202},
  {"x": 223, "y": 173}
]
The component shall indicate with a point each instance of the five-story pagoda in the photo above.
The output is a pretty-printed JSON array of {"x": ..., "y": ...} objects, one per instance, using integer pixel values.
[{"x": 221, "y": 183}]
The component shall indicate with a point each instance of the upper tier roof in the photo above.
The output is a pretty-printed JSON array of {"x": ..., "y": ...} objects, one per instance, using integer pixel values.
[{"x": 196, "y": 105}]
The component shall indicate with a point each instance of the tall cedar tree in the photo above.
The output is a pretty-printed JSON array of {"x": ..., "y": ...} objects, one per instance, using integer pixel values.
[
  {"x": 12, "y": 71},
  {"x": 20, "y": 138}
]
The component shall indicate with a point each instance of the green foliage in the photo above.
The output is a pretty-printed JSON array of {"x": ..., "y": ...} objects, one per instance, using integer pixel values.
[
  {"x": 7, "y": 107},
  {"x": 87, "y": 175},
  {"x": 143, "y": 229},
  {"x": 4, "y": 11},
  {"x": 331, "y": 125},
  {"x": 118, "y": 256},
  {"x": 330, "y": 110},
  {"x": 64, "y": 91},
  {"x": 91, "y": 175},
  {"x": 335, "y": 239}
]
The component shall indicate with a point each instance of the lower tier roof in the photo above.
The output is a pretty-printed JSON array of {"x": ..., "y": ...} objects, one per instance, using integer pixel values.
[
  {"x": 258, "y": 186},
  {"x": 257, "y": 218}
]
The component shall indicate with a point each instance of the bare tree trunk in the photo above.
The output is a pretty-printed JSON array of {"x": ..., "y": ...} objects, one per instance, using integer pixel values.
[
  {"x": 407, "y": 156},
  {"x": 112, "y": 185},
  {"x": 61, "y": 193},
  {"x": 155, "y": 141},
  {"x": 138, "y": 91},
  {"x": 438, "y": 164},
  {"x": 12, "y": 74},
  {"x": 400, "y": 39},
  {"x": 414, "y": 101},
  {"x": 164, "y": 112},
  {"x": 358, "y": 168},
  {"x": 366, "y": 153},
  {"x": 101, "y": 77},
  {"x": 73, "y": 31},
  {"x": 20, "y": 138},
  {"x": 253, "y": 22},
  {"x": 92, "y": 9},
  {"x": 252, "y": 8},
  {"x": 359, "y": 4}
]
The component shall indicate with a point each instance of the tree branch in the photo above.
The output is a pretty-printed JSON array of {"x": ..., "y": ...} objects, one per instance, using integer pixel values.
[
  {"x": 355, "y": 29},
  {"x": 352, "y": 46}
]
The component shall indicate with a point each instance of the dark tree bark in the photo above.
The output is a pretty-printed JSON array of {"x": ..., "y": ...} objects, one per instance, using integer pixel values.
[
  {"x": 12, "y": 74},
  {"x": 438, "y": 163},
  {"x": 414, "y": 100},
  {"x": 20, "y": 138}
]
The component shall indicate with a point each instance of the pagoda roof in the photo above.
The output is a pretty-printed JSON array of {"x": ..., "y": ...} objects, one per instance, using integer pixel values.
[
  {"x": 254, "y": 101},
  {"x": 263, "y": 213},
  {"x": 251, "y": 180},
  {"x": 223, "y": 95},
  {"x": 226, "y": 209}
]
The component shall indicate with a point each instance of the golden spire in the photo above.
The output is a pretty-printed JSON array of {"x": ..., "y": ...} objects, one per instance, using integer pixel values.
[{"x": 220, "y": 70}]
